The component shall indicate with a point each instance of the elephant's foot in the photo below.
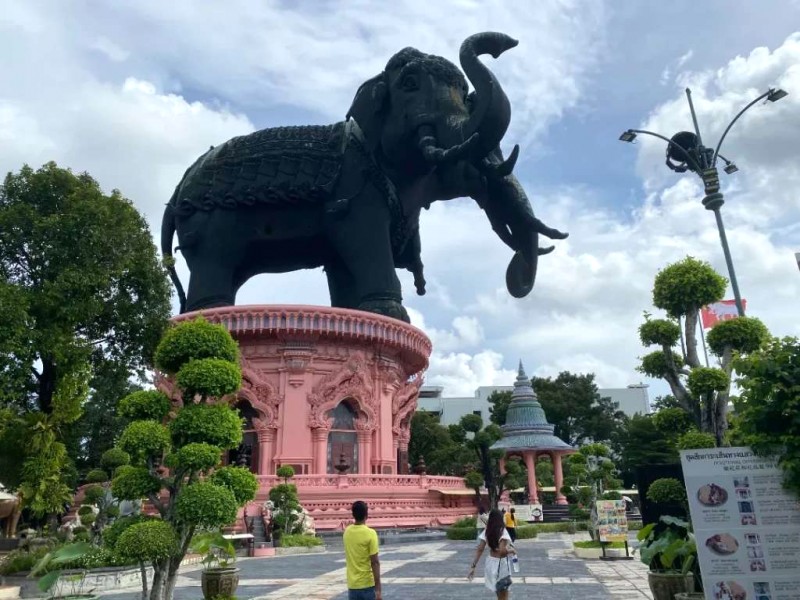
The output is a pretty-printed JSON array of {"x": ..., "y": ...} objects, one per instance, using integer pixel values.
[{"x": 387, "y": 307}]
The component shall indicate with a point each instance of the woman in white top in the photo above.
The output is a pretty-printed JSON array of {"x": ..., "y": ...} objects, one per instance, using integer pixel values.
[
  {"x": 483, "y": 517},
  {"x": 497, "y": 564}
]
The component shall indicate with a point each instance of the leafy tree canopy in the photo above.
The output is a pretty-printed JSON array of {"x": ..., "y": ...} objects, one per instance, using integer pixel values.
[{"x": 434, "y": 443}]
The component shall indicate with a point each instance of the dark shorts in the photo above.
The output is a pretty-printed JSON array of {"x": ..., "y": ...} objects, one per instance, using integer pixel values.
[
  {"x": 362, "y": 594},
  {"x": 512, "y": 532}
]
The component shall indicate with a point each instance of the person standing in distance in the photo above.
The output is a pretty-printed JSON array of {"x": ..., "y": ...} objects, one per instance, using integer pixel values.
[{"x": 361, "y": 557}]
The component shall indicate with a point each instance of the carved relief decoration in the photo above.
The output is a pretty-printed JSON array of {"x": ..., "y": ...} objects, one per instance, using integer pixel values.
[
  {"x": 391, "y": 375},
  {"x": 262, "y": 396},
  {"x": 352, "y": 381},
  {"x": 404, "y": 402}
]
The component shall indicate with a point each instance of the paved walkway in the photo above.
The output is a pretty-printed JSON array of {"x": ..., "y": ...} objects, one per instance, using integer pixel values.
[{"x": 431, "y": 570}]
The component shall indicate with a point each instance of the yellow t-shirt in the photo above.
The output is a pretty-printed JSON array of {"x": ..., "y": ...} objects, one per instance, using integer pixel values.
[
  {"x": 510, "y": 520},
  {"x": 360, "y": 543}
]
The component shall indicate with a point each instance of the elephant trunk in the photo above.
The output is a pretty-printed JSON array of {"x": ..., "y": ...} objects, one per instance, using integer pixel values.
[{"x": 491, "y": 110}]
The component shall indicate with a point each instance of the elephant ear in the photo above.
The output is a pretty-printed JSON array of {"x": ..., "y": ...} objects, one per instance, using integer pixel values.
[{"x": 369, "y": 108}]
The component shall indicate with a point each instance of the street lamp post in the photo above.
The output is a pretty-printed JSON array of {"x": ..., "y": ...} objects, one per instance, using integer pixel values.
[{"x": 687, "y": 150}]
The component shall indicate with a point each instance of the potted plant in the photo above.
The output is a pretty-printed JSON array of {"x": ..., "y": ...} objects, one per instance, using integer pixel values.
[
  {"x": 668, "y": 548},
  {"x": 54, "y": 582},
  {"x": 220, "y": 577}
]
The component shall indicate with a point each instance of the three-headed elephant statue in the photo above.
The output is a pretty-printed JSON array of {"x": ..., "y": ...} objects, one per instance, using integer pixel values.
[{"x": 348, "y": 196}]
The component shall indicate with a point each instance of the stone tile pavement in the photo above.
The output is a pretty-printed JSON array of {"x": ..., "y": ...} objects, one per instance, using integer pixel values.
[{"x": 431, "y": 570}]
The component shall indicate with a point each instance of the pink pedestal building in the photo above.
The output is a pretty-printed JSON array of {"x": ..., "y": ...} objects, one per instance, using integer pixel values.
[{"x": 328, "y": 388}]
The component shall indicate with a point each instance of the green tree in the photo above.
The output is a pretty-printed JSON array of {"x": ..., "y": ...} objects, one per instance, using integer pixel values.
[
  {"x": 196, "y": 492},
  {"x": 434, "y": 443},
  {"x": 640, "y": 443},
  {"x": 681, "y": 290},
  {"x": 479, "y": 440},
  {"x": 81, "y": 283},
  {"x": 499, "y": 401},
  {"x": 661, "y": 402},
  {"x": 769, "y": 407},
  {"x": 573, "y": 404}
]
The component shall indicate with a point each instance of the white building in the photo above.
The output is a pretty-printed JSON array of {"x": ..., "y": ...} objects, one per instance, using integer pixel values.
[{"x": 631, "y": 400}]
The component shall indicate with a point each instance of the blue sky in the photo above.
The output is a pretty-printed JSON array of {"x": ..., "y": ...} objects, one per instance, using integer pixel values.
[{"x": 134, "y": 91}]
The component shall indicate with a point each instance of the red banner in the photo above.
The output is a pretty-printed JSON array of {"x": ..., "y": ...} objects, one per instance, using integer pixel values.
[{"x": 720, "y": 311}]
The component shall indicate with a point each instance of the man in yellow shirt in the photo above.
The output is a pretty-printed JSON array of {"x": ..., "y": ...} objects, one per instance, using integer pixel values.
[{"x": 361, "y": 554}]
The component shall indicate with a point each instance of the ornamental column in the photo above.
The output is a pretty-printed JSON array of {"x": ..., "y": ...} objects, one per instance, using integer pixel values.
[
  {"x": 559, "y": 477},
  {"x": 502, "y": 465},
  {"x": 266, "y": 438},
  {"x": 533, "y": 491},
  {"x": 319, "y": 442},
  {"x": 364, "y": 451}
]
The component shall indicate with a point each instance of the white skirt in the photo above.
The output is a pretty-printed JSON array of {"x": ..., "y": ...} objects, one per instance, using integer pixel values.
[{"x": 490, "y": 571}]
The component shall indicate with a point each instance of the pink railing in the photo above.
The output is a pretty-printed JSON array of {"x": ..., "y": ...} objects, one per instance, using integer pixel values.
[
  {"x": 320, "y": 321},
  {"x": 359, "y": 480}
]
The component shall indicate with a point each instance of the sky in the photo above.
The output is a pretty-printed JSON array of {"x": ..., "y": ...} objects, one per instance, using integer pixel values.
[{"x": 134, "y": 91}]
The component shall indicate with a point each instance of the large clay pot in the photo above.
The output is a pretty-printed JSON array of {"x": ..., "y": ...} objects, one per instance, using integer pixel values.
[
  {"x": 665, "y": 585},
  {"x": 220, "y": 582}
]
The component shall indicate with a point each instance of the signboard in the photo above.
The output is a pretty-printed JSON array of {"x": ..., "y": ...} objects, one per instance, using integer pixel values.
[
  {"x": 612, "y": 524},
  {"x": 747, "y": 526},
  {"x": 528, "y": 512}
]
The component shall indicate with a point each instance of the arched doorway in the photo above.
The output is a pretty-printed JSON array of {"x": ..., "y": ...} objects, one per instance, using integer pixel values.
[
  {"x": 342, "y": 438},
  {"x": 246, "y": 455}
]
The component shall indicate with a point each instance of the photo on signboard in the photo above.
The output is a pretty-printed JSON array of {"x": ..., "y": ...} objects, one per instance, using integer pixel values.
[
  {"x": 746, "y": 506},
  {"x": 728, "y": 590},
  {"x": 741, "y": 482},
  {"x": 743, "y": 494},
  {"x": 758, "y": 564},
  {"x": 755, "y": 552},
  {"x": 753, "y": 539},
  {"x": 761, "y": 587},
  {"x": 749, "y": 519},
  {"x": 712, "y": 495},
  {"x": 723, "y": 544}
]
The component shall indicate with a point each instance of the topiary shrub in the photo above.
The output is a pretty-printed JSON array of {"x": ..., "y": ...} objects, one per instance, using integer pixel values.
[
  {"x": 462, "y": 533},
  {"x": 285, "y": 472},
  {"x": 113, "y": 458},
  {"x": 93, "y": 494},
  {"x": 527, "y": 532},
  {"x": 147, "y": 405},
  {"x": 667, "y": 490},
  {"x": 466, "y": 522},
  {"x": 112, "y": 532},
  {"x": 85, "y": 510},
  {"x": 203, "y": 359},
  {"x": 96, "y": 476},
  {"x": 694, "y": 440}
]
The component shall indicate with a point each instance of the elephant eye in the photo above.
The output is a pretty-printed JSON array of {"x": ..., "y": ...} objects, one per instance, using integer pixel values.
[{"x": 410, "y": 83}]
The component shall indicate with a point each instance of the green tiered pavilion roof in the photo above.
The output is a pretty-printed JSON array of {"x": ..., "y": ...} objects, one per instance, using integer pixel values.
[{"x": 526, "y": 425}]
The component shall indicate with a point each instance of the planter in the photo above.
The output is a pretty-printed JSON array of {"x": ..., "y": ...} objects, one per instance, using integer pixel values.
[
  {"x": 665, "y": 585},
  {"x": 690, "y": 596},
  {"x": 219, "y": 582}
]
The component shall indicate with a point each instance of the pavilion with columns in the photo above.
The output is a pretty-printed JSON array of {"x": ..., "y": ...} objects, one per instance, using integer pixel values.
[{"x": 528, "y": 435}]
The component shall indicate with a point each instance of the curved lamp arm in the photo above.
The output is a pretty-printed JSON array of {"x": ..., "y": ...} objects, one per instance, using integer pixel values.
[
  {"x": 736, "y": 118},
  {"x": 689, "y": 157}
]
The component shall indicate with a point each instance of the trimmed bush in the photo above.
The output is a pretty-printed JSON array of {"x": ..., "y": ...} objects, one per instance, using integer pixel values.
[
  {"x": 145, "y": 405},
  {"x": 215, "y": 424},
  {"x": 113, "y": 458},
  {"x": 299, "y": 540},
  {"x": 144, "y": 440},
  {"x": 466, "y": 522},
  {"x": 195, "y": 457},
  {"x": 527, "y": 532},
  {"x": 112, "y": 512},
  {"x": 693, "y": 440},
  {"x": 238, "y": 480},
  {"x": 195, "y": 339},
  {"x": 112, "y": 532},
  {"x": 88, "y": 518},
  {"x": 96, "y": 476},
  {"x": 745, "y": 335},
  {"x": 209, "y": 378},
  {"x": 598, "y": 544},
  {"x": 148, "y": 541},
  {"x": 462, "y": 533},
  {"x": 21, "y": 560},
  {"x": 134, "y": 483},
  {"x": 85, "y": 510},
  {"x": 285, "y": 472},
  {"x": 667, "y": 490},
  {"x": 206, "y": 504},
  {"x": 93, "y": 494}
]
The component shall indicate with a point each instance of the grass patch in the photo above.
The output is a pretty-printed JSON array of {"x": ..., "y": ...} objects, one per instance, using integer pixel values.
[
  {"x": 597, "y": 544},
  {"x": 300, "y": 541}
]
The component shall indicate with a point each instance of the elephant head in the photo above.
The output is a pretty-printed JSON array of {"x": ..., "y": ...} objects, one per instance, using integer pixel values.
[{"x": 418, "y": 116}]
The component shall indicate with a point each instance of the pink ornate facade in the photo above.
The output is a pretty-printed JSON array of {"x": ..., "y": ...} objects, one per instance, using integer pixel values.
[{"x": 331, "y": 392}]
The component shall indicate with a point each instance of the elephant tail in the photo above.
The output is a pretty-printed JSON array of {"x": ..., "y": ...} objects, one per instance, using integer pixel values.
[{"x": 167, "y": 233}]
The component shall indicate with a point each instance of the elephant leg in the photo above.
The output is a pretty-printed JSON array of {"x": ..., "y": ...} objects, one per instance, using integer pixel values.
[
  {"x": 341, "y": 286},
  {"x": 361, "y": 240},
  {"x": 210, "y": 285}
]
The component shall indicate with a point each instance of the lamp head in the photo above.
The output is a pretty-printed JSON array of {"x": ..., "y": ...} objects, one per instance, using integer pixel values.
[
  {"x": 731, "y": 168},
  {"x": 627, "y": 136},
  {"x": 776, "y": 94}
]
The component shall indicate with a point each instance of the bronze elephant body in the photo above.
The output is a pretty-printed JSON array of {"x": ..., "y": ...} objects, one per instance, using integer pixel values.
[{"x": 347, "y": 196}]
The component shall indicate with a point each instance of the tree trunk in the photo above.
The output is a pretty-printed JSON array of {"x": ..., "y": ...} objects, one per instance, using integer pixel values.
[
  {"x": 692, "y": 358},
  {"x": 160, "y": 570},
  {"x": 143, "y": 570}
]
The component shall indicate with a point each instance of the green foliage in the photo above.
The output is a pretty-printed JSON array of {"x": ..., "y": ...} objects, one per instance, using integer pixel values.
[
  {"x": 144, "y": 440},
  {"x": 499, "y": 402},
  {"x": 285, "y": 472},
  {"x": 195, "y": 457},
  {"x": 85, "y": 510},
  {"x": 686, "y": 286},
  {"x": 671, "y": 422},
  {"x": 112, "y": 532},
  {"x": 113, "y": 458},
  {"x": 667, "y": 546},
  {"x": 96, "y": 476},
  {"x": 743, "y": 334},
  {"x": 206, "y": 504},
  {"x": 659, "y": 332},
  {"x": 471, "y": 423},
  {"x": 693, "y": 440},
  {"x": 707, "y": 380},
  {"x": 575, "y": 407},
  {"x": 466, "y": 522},
  {"x": 461, "y": 533},
  {"x": 284, "y": 497},
  {"x": 612, "y": 495},
  {"x": 93, "y": 494},
  {"x": 112, "y": 511},
  {"x": 215, "y": 424},
  {"x": 640, "y": 443},
  {"x": 134, "y": 483},
  {"x": 655, "y": 364},
  {"x": 597, "y": 544},
  {"x": 217, "y": 550},
  {"x": 527, "y": 532},
  {"x": 769, "y": 407},
  {"x": 42, "y": 485},
  {"x": 296, "y": 540},
  {"x": 21, "y": 560},
  {"x": 238, "y": 480},
  {"x": 667, "y": 490},
  {"x": 473, "y": 480},
  {"x": 209, "y": 378},
  {"x": 52, "y": 562},
  {"x": 150, "y": 540},
  {"x": 88, "y": 518},
  {"x": 144, "y": 405},
  {"x": 442, "y": 452},
  {"x": 197, "y": 339}
]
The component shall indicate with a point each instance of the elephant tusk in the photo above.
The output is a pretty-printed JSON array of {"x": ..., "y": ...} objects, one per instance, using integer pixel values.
[{"x": 503, "y": 169}]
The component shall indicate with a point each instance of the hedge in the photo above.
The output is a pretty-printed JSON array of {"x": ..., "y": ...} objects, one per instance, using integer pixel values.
[
  {"x": 299, "y": 540},
  {"x": 462, "y": 533}
]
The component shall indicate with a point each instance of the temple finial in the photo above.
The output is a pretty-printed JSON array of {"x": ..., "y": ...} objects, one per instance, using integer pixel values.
[{"x": 521, "y": 369}]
